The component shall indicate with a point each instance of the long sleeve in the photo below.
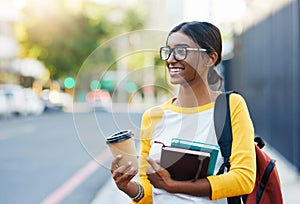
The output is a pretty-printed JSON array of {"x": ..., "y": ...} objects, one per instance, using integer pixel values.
[
  {"x": 241, "y": 177},
  {"x": 149, "y": 120}
]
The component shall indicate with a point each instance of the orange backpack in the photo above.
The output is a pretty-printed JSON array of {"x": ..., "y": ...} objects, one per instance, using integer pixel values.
[{"x": 267, "y": 189}]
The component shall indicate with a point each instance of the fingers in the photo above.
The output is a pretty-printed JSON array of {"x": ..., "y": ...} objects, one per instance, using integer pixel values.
[
  {"x": 123, "y": 169},
  {"x": 123, "y": 174},
  {"x": 156, "y": 167},
  {"x": 153, "y": 175},
  {"x": 157, "y": 161},
  {"x": 115, "y": 163},
  {"x": 150, "y": 170}
]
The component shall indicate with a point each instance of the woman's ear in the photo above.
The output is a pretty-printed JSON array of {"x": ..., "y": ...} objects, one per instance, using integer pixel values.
[{"x": 212, "y": 58}]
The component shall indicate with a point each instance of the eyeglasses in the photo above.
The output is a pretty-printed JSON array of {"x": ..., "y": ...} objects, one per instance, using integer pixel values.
[{"x": 179, "y": 53}]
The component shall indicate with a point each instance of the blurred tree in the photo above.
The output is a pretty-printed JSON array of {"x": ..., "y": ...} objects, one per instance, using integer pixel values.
[{"x": 63, "y": 38}]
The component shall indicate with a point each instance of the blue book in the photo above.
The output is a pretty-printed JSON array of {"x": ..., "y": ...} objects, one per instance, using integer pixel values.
[{"x": 200, "y": 146}]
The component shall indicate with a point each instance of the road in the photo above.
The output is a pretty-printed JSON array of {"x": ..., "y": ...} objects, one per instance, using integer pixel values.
[{"x": 53, "y": 156}]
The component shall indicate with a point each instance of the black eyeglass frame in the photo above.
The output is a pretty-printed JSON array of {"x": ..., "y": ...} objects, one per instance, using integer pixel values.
[{"x": 174, "y": 53}]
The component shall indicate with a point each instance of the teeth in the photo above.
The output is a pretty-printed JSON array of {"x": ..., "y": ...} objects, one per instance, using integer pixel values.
[{"x": 176, "y": 69}]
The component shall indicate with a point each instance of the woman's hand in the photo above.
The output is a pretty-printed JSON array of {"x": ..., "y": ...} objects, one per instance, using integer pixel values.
[
  {"x": 122, "y": 174},
  {"x": 161, "y": 178},
  {"x": 158, "y": 176}
]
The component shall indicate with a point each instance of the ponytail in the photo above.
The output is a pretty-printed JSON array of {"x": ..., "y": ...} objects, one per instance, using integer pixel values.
[{"x": 214, "y": 79}]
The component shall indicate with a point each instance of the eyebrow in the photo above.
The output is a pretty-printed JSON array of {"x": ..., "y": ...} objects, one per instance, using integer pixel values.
[{"x": 181, "y": 45}]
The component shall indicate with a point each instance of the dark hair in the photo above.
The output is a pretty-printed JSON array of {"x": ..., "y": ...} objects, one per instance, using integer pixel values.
[{"x": 207, "y": 36}]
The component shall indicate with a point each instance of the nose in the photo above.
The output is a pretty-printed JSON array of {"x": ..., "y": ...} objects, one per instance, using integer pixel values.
[{"x": 171, "y": 58}]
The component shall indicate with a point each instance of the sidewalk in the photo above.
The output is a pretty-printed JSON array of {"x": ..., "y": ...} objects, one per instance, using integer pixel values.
[{"x": 290, "y": 181}]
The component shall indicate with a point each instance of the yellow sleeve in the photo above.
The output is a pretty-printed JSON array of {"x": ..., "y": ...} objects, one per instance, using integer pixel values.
[
  {"x": 240, "y": 179},
  {"x": 149, "y": 121}
]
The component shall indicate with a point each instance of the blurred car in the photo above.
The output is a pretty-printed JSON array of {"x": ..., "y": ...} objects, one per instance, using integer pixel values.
[
  {"x": 15, "y": 98},
  {"x": 49, "y": 104},
  {"x": 34, "y": 105},
  {"x": 21, "y": 101},
  {"x": 99, "y": 99},
  {"x": 55, "y": 100}
]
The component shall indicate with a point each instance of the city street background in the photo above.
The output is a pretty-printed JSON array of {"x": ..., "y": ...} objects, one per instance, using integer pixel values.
[
  {"x": 39, "y": 154},
  {"x": 75, "y": 71}
]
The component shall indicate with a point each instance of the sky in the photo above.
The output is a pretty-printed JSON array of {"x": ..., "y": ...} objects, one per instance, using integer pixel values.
[{"x": 219, "y": 11}]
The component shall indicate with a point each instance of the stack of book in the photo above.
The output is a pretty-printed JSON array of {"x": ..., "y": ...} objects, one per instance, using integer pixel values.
[{"x": 189, "y": 160}]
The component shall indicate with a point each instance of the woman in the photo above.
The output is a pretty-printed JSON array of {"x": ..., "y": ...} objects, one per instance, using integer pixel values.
[{"x": 191, "y": 52}]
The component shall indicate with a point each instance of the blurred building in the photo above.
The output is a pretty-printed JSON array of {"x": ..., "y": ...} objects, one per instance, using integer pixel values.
[
  {"x": 8, "y": 42},
  {"x": 12, "y": 69}
]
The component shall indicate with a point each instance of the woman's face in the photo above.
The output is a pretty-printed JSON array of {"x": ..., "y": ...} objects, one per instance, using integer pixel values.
[{"x": 192, "y": 67}]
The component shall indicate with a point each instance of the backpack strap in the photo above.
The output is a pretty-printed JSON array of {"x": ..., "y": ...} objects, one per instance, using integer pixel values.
[
  {"x": 222, "y": 123},
  {"x": 264, "y": 180},
  {"x": 223, "y": 129}
]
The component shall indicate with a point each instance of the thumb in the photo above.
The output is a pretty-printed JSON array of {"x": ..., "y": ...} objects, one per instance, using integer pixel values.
[{"x": 153, "y": 164}]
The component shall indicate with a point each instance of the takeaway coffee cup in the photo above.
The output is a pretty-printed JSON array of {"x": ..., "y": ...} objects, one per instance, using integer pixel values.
[{"x": 123, "y": 143}]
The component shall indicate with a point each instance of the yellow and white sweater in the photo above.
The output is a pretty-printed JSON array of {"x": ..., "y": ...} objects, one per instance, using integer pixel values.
[{"x": 164, "y": 122}]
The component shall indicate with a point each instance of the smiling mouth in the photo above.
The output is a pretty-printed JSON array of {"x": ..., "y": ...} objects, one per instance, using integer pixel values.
[{"x": 175, "y": 70}]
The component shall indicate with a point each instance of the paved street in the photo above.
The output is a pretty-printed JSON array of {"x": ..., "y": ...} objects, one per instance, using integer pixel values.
[{"x": 51, "y": 157}]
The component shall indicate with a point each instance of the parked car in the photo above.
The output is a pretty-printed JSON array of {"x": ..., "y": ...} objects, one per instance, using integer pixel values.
[
  {"x": 15, "y": 98},
  {"x": 21, "y": 101},
  {"x": 34, "y": 105},
  {"x": 55, "y": 100},
  {"x": 99, "y": 100}
]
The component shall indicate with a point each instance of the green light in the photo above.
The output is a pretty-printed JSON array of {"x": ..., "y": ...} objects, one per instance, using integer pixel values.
[
  {"x": 95, "y": 85},
  {"x": 69, "y": 82},
  {"x": 131, "y": 87},
  {"x": 108, "y": 84}
]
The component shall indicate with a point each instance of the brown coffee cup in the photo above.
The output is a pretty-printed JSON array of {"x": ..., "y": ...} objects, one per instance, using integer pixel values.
[{"x": 123, "y": 143}]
